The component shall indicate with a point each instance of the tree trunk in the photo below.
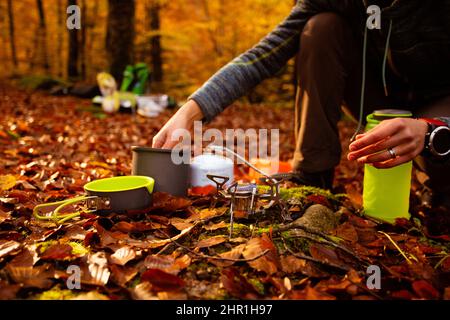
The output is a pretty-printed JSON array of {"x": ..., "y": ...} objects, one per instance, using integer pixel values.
[
  {"x": 11, "y": 33},
  {"x": 91, "y": 36},
  {"x": 156, "y": 49},
  {"x": 120, "y": 36},
  {"x": 60, "y": 14},
  {"x": 72, "y": 58},
  {"x": 42, "y": 55},
  {"x": 83, "y": 38}
]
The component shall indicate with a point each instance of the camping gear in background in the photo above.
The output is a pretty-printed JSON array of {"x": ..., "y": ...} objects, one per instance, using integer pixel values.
[
  {"x": 130, "y": 98},
  {"x": 135, "y": 79},
  {"x": 386, "y": 191},
  {"x": 157, "y": 163},
  {"x": 106, "y": 83},
  {"x": 118, "y": 194},
  {"x": 152, "y": 105},
  {"x": 111, "y": 99}
]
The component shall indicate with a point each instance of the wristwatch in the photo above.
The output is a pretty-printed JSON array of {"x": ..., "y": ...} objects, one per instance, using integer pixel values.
[{"x": 437, "y": 139}]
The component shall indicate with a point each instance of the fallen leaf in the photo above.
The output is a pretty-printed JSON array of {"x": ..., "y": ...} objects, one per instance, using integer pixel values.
[
  {"x": 234, "y": 253},
  {"x": 7, "y": 247},
  {"x": 291, "y": 265},
  {"x": 172, "y": 295},
  {"x": 237, "y": 285},
  {"x": 4, "y": 216},
  {"x": 57, "y": 252},
  {"x": 325, "y": 254},
  {"x": 162, "y": 281},
  {"x": 31, "y": 277},
  {"x": 92, "y": 295},
  {"x": 313, "y": 294},
  {"x": 8, "y": 291},
  {"x": 143, "y": 291},
  {"x": 269, "y": 263},
  {"x": 216, "y": 226},
  {"x": 167, "y": 264},
  {"x": 180, "y": 224},
  {"x": 7, "y": 182},
  {"x": 210, "y": 242},
  {"x": 425, "y": 290},
  {"x": 347, "y": 232},
  {"x": 168, "y": 203},
  {"x": 122, "y": 275},
  {"x": 211, "y": 213},
  {"x": 122, "y": 255}
]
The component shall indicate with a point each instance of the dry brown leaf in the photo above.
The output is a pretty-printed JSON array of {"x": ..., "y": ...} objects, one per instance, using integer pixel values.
[
  {"x": 7, "y": 182},
  {"x": 269, "y": 263},
  {"x": 7, "y": 247},
  {"x": 122, "y": 255},
  {"x": 143, "y": 291},
  {"x": 213, "y": 212},
  {"x": 210, "y": 242},
  {"x": 149, "y": 244},
  {"x": 216, "y": 226},
  {"x": 180, "y": 224},
  {"x": 235, "y": 253},
  {"x": 168, "y": 264},
  {"x": 4, "y": 216},
  {"x": 122, "y": 275}
]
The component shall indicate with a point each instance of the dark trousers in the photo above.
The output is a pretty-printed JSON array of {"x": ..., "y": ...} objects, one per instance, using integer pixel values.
[{"x": 329, "y": 77}]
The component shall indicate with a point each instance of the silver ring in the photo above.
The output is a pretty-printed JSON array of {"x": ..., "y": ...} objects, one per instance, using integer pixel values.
[{"x": 392, "y": 153}]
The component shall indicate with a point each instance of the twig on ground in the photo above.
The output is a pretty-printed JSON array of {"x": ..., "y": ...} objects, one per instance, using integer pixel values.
[
  {"x": 324, "y": 239},
  {"x": 399, "y": 249}
]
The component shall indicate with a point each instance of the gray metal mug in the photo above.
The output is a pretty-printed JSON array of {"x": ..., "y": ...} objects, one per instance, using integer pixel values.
[{"x": 157, "y": 163}]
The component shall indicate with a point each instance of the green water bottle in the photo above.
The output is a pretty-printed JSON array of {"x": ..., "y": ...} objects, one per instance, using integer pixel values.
[{"x": 386, "y": 191}]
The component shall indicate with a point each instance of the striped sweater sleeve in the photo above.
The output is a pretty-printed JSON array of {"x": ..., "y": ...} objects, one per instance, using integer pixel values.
[
  {"x": 265, "y": 59},
  {"x": 248, "y": 70}
]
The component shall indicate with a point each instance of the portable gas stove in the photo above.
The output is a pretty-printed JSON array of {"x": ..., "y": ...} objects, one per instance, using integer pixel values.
[{"x": 247, "y": 201}]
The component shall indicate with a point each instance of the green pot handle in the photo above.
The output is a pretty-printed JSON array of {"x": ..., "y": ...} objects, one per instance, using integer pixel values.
[{"x": 60, "y": 218}]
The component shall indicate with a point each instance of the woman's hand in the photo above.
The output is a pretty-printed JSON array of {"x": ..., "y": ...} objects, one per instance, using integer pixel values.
[
  {"x": 405, "y": 137},
  {"x": 183, "y": 119}
]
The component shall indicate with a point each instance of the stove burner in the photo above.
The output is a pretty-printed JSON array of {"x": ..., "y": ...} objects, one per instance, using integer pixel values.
[{"x": 245, "y": 198}]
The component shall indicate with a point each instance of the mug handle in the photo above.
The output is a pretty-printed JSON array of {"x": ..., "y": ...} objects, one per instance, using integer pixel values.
[{"x": 56, "y": 216}]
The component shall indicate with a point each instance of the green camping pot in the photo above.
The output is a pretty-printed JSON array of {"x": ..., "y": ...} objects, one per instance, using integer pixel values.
[
  {"x": 117, "y": 194},
  {"x": 386, "y": 191}
]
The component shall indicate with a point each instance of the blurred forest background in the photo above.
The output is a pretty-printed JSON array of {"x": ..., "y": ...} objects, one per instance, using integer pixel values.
[{"x": 183, "y": 41}]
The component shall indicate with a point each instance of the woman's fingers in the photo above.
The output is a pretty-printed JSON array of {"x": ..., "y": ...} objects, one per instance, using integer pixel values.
[
  {"x": 377, "y": 147},
  {"x": 400, "y": 150},
  {"x": 384, "y": 130},
  {"x": 392, "y": 163},
  {"x": 159, "y": 140}
]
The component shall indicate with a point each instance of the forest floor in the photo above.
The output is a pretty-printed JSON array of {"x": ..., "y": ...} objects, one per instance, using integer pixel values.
[{"x": 180, "y": 248}]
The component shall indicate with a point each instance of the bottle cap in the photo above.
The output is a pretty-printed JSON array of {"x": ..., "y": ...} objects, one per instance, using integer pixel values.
[{"x": 385, "y": 114}]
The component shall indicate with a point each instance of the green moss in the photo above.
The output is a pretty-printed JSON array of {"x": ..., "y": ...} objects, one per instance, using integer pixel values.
[
  {"x": 257, "y": 284},
  {"x": 43, "y": 246},
  {"x": 56, "y": 294},
  {"x": 201, "y": 265},
  {"x": 78, "y": 249},
  {"x": 295, "y": 244},
  {"x": 301, "y": 193},
  {"x": 241, "y": 230},
  {"x": 267, "y": 229}
]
